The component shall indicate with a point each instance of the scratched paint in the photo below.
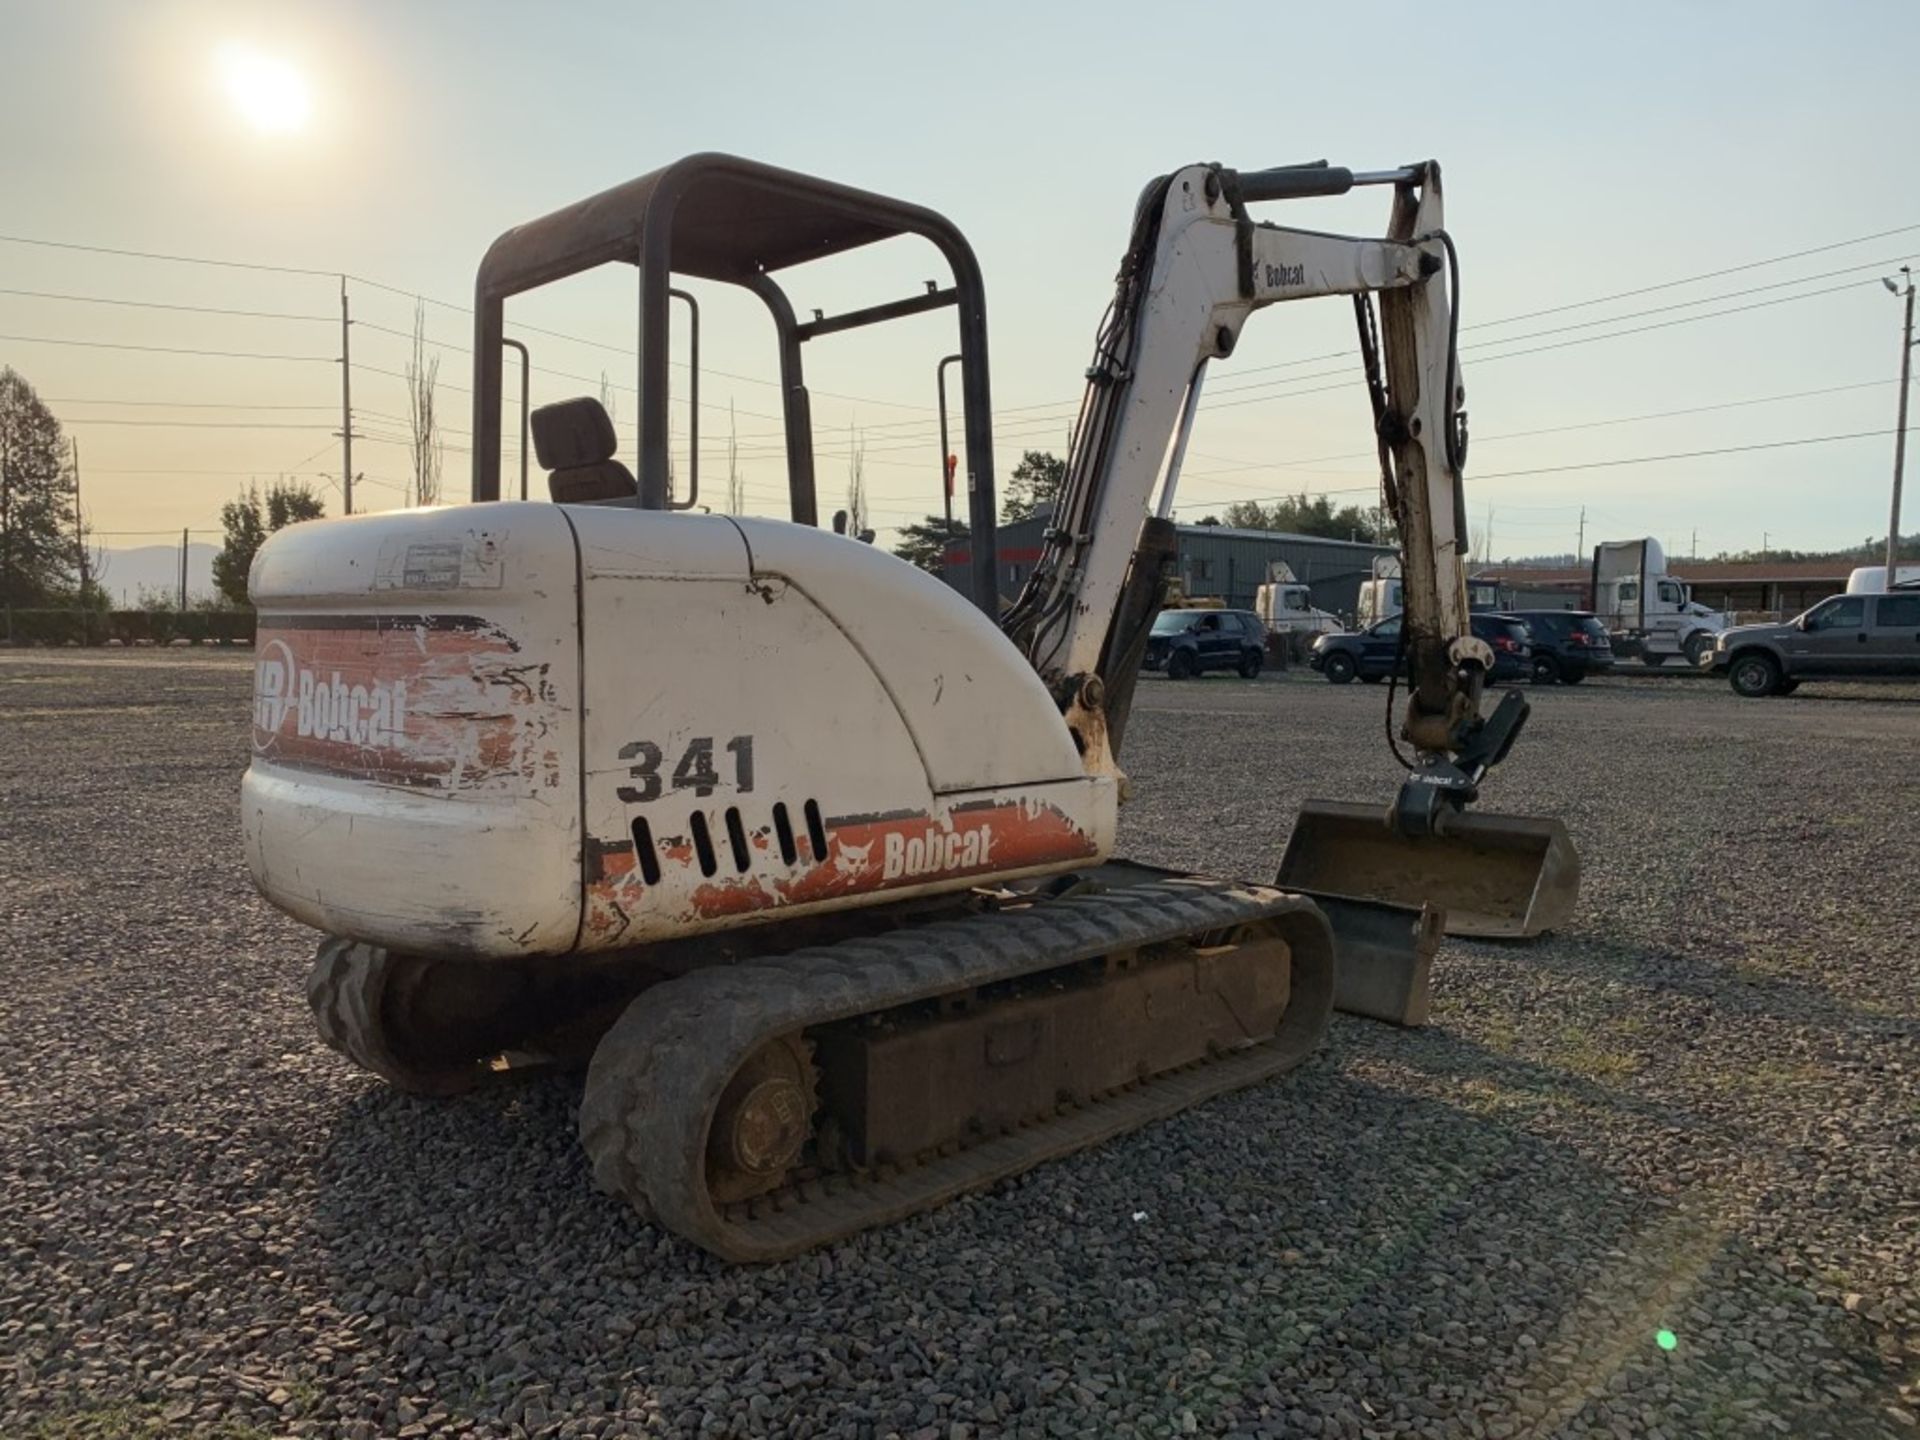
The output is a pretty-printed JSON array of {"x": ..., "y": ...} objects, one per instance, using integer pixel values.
[
  {"x": 427, "y": 701},
  {"x": 865, "y": 856}
]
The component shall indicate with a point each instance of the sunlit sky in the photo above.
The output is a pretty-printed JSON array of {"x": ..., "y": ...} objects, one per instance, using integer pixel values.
[{"x": 1637, "y": 145}]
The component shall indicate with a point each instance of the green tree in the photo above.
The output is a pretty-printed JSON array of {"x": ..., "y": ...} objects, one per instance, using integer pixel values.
[
  {"x": 1310, "y": 515},
  {"x": 248, "y": 521},
  {"x": 924, "y": 543},
  {"x": 38, "y": 552},
  {"x": 1034, "y": 483}
]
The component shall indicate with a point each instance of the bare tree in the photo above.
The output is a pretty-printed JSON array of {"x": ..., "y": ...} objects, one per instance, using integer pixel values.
[
  {"x": 856, "y": 483},
  {"x": 423, "y": 373},
  {"x": 673, "y": 472},
  {"x": 607, "y": 401},
  {"x": 736, "y": 483},
  {"x": 609, "y": 404}
]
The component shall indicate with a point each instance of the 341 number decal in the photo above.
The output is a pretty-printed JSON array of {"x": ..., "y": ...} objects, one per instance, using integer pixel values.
[{"x": 694, "y": 771}]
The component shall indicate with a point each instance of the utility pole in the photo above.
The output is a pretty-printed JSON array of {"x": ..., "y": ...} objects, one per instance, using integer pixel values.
[
  {"x": 346, "y": 403},
  {"x": 1693, "y": 546},
  {"x": 1580, "y": 550},
  {"x": 80, "y": 543},
  {"x": 183, "y": 572},
  {"x": 947, "y": 460},
  {"x": 1900, "y": 430},
  {"x": 6, "y": 531}
]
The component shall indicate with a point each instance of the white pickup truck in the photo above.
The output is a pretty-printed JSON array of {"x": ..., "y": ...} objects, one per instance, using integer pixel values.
[{"x": 1648, "y": 612}]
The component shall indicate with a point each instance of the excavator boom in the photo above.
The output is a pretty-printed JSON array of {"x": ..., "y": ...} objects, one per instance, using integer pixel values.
[{"x": 1197, "y": 268}]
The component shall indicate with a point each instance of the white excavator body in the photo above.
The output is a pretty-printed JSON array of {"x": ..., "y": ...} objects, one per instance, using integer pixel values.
[{"x": 634, "y": 725}]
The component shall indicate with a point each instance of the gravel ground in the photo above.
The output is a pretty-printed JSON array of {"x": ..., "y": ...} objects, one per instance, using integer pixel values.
[{"x": 1695, "y": 1111}]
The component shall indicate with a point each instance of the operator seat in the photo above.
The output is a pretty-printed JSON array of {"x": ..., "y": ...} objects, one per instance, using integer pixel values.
[{"x": 574, "y": 441}]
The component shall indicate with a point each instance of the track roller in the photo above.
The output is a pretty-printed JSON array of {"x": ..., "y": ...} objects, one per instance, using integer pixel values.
[{"x": 765, "y": 1108}]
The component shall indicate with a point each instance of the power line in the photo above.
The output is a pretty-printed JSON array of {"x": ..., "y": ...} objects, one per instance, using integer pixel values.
[
  {"x": 1038, "y": 426},
  {"x": 392, "y": 290},
  {"x": 175, "y": 259},
  {"x": 1558, "y": 330},
  {"x": 1588, "y": 465},
  {"x": 1669, "y": 324},
  {"x": 1878, "y": 265},
  {"x": 1686, "y": 454},
  {"x": 1706, "y": 275},
  {"x": 625, "y": 352},
  {"x": 1214, "y": 403},
  {"x": 164, "y": 349},
  {"x": 1585, "y": 324},
  {"x": 1627, "y": 294},
  {"x": 295, "y": 467},
  {"x": 179, "y": 404},
  {"x": 1064, "y": 405},
  {"x": 198, "y": 424},
  {"x": 1559, "y": 429},
  {"x": 161, "y": 305},
  {"x": 1485, "y": 359},
  {"x": 254, "y": 470},
  {"x": 543, "y": 370}
]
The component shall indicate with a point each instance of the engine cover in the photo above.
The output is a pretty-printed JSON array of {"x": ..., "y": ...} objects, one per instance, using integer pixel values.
[{"x": 519, "y": 729}]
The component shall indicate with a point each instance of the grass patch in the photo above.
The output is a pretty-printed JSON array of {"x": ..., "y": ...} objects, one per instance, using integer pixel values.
[
  {"x": 130, "y": 1420},
  {"x": 1587, "y": 1053},
  {"x": 1770, "y": 1077},
  {"x": 1498, "y": 1032}
]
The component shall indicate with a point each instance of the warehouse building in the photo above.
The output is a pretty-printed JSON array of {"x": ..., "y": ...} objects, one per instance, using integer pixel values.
[
  {"x": 1216, "y": 562},
  {"x": 1750, "y": 590}
]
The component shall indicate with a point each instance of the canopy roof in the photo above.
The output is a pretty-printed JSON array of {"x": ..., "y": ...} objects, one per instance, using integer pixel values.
[{"x": 730, "y": 219}]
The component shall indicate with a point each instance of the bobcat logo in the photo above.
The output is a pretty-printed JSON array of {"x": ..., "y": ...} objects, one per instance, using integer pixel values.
[
  {"x": 854, "y": 860},
  {"x": 322, "y": 707}
]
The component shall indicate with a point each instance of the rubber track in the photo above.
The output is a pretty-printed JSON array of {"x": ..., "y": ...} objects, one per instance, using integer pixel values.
[
  {"x": 348, "y": 990},
  {"x": 659, "y": 1073}
]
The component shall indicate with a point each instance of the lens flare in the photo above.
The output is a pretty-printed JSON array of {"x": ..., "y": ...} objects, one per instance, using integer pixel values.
[{"x": 1665, "y": 1339}]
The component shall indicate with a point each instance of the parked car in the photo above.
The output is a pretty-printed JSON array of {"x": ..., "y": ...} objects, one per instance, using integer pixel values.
[
  {"x": 1371, "y": 653},
  {"x": 1568, "y": 645},
  {"x": 1512, "y": 643},
  {"x": 1191, "y": 642},
  {"x": 1845, "y": 635}
]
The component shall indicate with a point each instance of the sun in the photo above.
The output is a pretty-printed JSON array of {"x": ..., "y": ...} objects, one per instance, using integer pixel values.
[{"x": 270, "y": 94}]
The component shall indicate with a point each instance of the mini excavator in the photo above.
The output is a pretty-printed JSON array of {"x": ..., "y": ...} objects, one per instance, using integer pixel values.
[{"x": 807, "y": 853}]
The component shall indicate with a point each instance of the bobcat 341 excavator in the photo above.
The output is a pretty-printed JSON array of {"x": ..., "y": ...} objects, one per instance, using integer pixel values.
[{"x": 811, "y": 854}]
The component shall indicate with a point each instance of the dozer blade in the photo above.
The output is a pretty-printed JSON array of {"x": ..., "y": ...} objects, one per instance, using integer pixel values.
[{"x": 1495, "y": 876}]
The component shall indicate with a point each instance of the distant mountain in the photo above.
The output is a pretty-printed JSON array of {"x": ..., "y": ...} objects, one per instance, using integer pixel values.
[{"x": 125, "y": 573}]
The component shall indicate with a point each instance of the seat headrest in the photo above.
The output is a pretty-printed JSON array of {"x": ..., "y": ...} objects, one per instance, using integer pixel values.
[{"x": 573, "y": 432}]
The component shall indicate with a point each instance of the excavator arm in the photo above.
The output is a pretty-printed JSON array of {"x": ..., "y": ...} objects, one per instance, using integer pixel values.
[{"x": 1197, "y": 267}]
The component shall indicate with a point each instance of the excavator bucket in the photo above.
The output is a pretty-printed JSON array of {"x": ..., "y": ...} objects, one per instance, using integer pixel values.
[{"x": 1494, "y": 876}]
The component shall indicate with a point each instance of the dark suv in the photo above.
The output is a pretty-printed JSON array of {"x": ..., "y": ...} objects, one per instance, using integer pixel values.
[
  {"x": 1568, "y": 645},
  {"x": 1188, "y": 642},
  {"x": 1371, "y": 653},
  {"x": 1847, "y": 635}
]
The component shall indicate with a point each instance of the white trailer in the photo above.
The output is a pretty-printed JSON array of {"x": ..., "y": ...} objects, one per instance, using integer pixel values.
[
  {"x": 1872, "y": 579},
  {"x": 1285, "y": 605},
  {"x": 1648, "y": 612},
  {"x": 1380, "y": 596}
]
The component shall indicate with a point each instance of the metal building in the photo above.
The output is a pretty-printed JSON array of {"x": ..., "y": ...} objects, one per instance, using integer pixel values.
[{"x": 1216, "y": 561}]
